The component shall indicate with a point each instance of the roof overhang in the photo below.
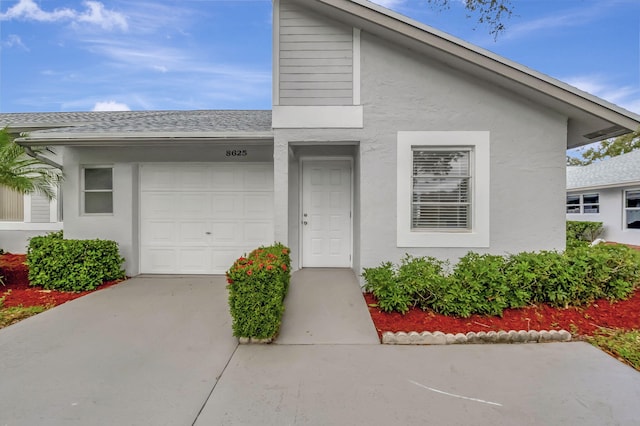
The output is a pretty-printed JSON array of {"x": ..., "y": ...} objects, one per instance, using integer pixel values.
[
  {"x": 141, "y": 139},
  {"x": 605, "y": 186},
  {"x": 590, "y": 119}
]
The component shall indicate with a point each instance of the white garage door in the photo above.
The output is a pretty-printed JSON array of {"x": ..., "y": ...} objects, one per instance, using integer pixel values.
[{"x": 198, "y": 218}]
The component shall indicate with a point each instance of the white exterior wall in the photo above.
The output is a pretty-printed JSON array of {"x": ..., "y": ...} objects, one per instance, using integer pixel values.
[
  {"x": 123, "y": 225},
  {"x": 403, "y": 92},
  {"x": 611, "y": 215}
]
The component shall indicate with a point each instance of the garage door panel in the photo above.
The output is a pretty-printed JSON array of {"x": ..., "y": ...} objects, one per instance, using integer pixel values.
[
  {"x": 160, "y": 260},
  {"x": 259, "y": 179},
  {"x": 199, "y": 218},
  {"x": 195, "y": 177},
  {"x": 159, "y": 178},
  {"x": 226, "y": 232},
  {"x": 194, "y": 232},
  {"x": 158, "y": 205},
  {"x": 257, "y": 232},
  {"x": 194, "y": 205},
  {"x": 194, "y": 261},
  {"x": 226, "y": 205},
  {"x": 159, "y": 232},
  {"x": 222, "y": 259},
  {"x": 257, "y": 206}
]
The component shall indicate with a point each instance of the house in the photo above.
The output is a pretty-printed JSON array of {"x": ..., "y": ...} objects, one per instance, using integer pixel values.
[
  {"x": 386, "y": 137},
  {"x": 608, "y": 191},
  {"x": 25, "y": 216}
]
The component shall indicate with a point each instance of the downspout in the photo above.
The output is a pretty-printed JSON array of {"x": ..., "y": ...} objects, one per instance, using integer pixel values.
[{"x": 42, "y": 158}]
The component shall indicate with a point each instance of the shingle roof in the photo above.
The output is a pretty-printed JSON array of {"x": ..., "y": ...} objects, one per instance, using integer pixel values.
[
  {"x": 133, "y": 123},
  {"x": 615, "y": 171}
]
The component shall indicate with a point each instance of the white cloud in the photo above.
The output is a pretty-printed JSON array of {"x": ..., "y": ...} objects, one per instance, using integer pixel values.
[
  {"x": 28, "y": 10},
  {"x": 98, "y": 15},
  {"x": 110, "y": 106},
  {"x": 556, "y": 19},
  {"x": 14, "y": 40},
  {"x": 627, "y": 97},
  {"x": 95, "y": 14}
]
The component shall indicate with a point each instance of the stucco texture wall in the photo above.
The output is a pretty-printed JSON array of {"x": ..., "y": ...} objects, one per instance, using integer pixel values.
[{"x": 402, "y": 90}]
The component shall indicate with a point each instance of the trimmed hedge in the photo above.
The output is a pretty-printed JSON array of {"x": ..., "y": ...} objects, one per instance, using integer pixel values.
[
  {"x": 72, "y": 265},
  {"x": 258, "y": 284},
  {"x": 488, "y": 284},
  {"x": 582, "y": 232}
]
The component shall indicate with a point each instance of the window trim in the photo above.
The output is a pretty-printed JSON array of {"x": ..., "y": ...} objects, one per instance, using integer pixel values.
[
  {"x": 479, "y": 234},
  {"x": 83, "y": 191},
  {"x": 625, "y": 209},
  {"x": 581, "y": 204}
]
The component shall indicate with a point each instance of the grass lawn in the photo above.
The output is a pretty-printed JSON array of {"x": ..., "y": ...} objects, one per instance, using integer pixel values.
[
  {"x": 624, "y": 345},
  {"x": 11, "y": 315}
]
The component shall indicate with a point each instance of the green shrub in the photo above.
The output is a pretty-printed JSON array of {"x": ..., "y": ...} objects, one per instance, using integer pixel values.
[
  {"x": 416, "y": 282},
  {"x": 258, "y": 285},
  {"x": 582, "y": 232},
  {"x": 476, "y": 286},
  {"x": 488, "y": 284},
  {"x": 72, "y": 265}
]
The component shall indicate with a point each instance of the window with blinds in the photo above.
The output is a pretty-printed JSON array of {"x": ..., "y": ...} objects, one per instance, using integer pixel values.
[
  {"x": 11, "y": 205},
  {"x": 441, "y": 190}
]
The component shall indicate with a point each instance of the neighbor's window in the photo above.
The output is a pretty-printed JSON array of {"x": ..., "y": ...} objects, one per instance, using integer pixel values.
[
  {"x": 632, "y": 209},
  {"x": 97, "y": 190},
  {"x": 11, "y": 205},
  {"x": 583, "y": 203},
  {"x": 441, "y": 189}
]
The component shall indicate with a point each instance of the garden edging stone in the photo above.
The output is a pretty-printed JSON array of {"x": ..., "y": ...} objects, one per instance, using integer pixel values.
[{"x": 440, "y": 338}]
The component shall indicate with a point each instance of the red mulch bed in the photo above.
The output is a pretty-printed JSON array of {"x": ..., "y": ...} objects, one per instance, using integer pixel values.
[
  {"x": 624, "y": 314},
  {"x": 16, "y": 289}
]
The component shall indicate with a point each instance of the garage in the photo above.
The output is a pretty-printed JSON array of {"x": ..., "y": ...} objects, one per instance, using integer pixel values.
[{"x": 197, "y": 218}]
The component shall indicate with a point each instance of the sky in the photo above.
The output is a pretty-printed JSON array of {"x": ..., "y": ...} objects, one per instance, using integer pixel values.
[{"x": 68, "y": 55}]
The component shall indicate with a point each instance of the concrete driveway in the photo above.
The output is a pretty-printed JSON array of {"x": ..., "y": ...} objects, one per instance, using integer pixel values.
[
  {"x": 159, "y": 351},
  {"x": 145, "y": 352}
]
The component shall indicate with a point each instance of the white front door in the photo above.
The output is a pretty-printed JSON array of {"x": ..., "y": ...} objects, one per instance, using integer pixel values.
[{"x": 326, "y": 213}]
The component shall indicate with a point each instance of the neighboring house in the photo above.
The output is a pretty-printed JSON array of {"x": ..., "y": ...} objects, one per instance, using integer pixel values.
[
  {"x": 608, "y": 191},
  {"x": 24, "y": 216},
  {"x": 386, "y": 137}
]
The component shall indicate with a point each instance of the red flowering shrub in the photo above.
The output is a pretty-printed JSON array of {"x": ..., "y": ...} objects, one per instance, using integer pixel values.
[{"x": 258, "y": 284}]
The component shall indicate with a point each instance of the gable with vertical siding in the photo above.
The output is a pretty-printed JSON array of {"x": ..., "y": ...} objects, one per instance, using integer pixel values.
[{"x": 316, "y": 58}]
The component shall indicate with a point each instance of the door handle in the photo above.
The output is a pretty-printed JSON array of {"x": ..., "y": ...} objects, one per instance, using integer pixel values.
[{"x": 208, "y": 233}]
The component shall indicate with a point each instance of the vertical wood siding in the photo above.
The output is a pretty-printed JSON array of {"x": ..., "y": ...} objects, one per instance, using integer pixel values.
[
  {"x": 316, "y": 59},
  {"x": 11, "y": 205}
]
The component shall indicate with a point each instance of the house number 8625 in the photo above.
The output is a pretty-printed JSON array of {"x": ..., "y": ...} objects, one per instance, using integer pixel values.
[{"x": 236, "y": 153}]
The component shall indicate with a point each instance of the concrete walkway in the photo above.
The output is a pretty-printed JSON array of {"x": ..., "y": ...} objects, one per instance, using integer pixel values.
[
  {"x": 159, "y": 351},
  {"x": 326, "y": 306}
]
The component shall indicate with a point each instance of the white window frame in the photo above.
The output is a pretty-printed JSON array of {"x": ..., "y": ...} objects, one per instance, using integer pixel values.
[
  {"x": 83, "y": 191},
  {"x": 479, "y": 233},
  {"x": 581, "y": 204},
  {"x": 627, "y": 209}
]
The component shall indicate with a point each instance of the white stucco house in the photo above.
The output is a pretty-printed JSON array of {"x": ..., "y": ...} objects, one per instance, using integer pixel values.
[
  {"x": 608, "y": 191},
  {"x": 386, "y": 137}
]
